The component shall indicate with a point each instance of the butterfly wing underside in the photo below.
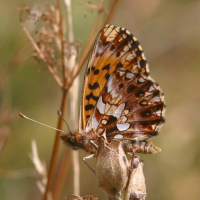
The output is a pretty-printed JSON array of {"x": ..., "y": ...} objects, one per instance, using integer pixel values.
[{"x": 119, "y": 97}]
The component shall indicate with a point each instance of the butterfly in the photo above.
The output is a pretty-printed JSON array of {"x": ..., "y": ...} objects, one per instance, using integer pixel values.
[{"x": 119, "y": 100}]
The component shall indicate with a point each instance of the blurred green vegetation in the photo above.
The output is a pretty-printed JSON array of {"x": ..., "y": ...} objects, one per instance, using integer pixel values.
[{"x": 169, "y": 32}]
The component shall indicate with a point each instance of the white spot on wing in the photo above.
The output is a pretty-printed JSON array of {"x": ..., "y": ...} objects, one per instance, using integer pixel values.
[
  {"x": 88, "y": 128},
  {"x": 141, "y": 80},
  {"x": 156, "y": 99},
  {"x": 126, "y": 112},
  {"x": 121, "y": 73},
  {"x": 110, "y": 84},
  {"x": 118, "y": 136},
  {"x": 117, "y": 113},
  {"x": 126, "y": 48},
  {"x": 143, "y": 56},
  {"x": 109, "y": 109},
  {"x": 140, "y": 48},
  {"x": 129, "y": 75},
  {"x": 159, "y": 112},
  {"x": 104, "y": 122},
  {"x": 151, "y": 89},
  {"x": 95, "y": 122},
  {"x": 101, "y": 105},
  {"x": 153, "y": 126},
  {"x": 129, "y": 57},
  {"x": 124, "y": 36},
  {"x": 117, "y": 29},
  {"x": 128, "y": 32},
  {"x": 123, "y": 119},
  {"x": 134, "y": 38},
  {"x": 123, "y": 127}
]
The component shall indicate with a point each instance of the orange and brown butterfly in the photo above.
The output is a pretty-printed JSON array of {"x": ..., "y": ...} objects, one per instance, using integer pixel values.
[{"x": 119, "y": 100}]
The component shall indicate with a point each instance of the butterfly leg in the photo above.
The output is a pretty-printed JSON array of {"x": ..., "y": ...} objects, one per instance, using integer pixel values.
[
  {"x": 88, "y": 157},
  {"x": 144, "y": 147}
]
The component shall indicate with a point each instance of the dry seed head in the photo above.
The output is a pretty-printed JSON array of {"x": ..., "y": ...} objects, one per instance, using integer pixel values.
[
  {"x": 112, "y": 167},
  {"x": 136, "y": 188}
]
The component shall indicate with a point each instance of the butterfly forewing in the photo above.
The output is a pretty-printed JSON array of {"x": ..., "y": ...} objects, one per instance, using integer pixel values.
[{"x": 115, "y": 48}]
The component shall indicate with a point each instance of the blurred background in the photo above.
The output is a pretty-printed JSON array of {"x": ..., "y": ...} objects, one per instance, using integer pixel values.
[{"x": 169, "y": 32}]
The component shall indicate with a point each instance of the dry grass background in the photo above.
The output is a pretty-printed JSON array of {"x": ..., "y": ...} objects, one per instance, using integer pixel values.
[{"x": 169, "y": 32}]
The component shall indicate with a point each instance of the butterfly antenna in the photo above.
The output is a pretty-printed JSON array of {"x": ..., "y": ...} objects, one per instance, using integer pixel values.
[
  {"x": 60, "y": 115},
  {"x": 25, "y": 117}
]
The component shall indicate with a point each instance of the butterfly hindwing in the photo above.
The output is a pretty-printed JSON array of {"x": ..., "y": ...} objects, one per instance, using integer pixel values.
[{"x": 130, "y": 108}]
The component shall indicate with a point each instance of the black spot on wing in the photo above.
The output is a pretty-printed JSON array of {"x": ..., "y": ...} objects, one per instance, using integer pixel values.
[
  {"x": 107, "y": 67},
  {"x": 91, "y": 96},
  {"x": 119, "y": 65},
  {"x": 154, "y": 133},
  {"x": 138, "y": 52},
  {"x": 118, "y": 54},
  {"x": 89, "y": 107},
  {"x": 111, "y": 119},
  {"x": 146, "y": 113},
  {"x": 139, "y": 93},
  {"x": 112, "y": 47},
  {"x": 130, "y": 88},
  {"x": 96, "y": 71},
  {"x": 121, "y": 85},
  {"x": 107, "y": 76},
  {"x": 129, "y": 38},
  {"x": 94, "y": 86},
  {"x": 143, "y": 64},
  {"x": 135, "y": 44}
]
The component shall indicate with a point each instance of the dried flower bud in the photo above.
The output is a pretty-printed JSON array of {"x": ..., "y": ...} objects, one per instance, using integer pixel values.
[
  {"x": 136, "y": 189},
  {"x": 112, "y": 167}
]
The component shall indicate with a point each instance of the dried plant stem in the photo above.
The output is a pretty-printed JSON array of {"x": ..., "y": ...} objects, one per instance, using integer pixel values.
[
  {"x": 70, "y": 63},
  {"x": 49, "y": 66},
  {"x": 113, "y": 8},
  {"x": 74, "y": 97},
  {"x": 56, "y": 146},
  {"x": 62, "y": 42},
  {"x": 63, "y": 170}
]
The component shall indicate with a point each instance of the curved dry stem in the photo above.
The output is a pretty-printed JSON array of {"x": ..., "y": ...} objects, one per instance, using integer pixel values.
[
  {"x": 56, "y": 146},
  {"x": 52, "y": 69}
]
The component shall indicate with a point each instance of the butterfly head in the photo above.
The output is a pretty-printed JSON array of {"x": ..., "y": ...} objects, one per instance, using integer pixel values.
[{"x": 69, "y": 139}]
